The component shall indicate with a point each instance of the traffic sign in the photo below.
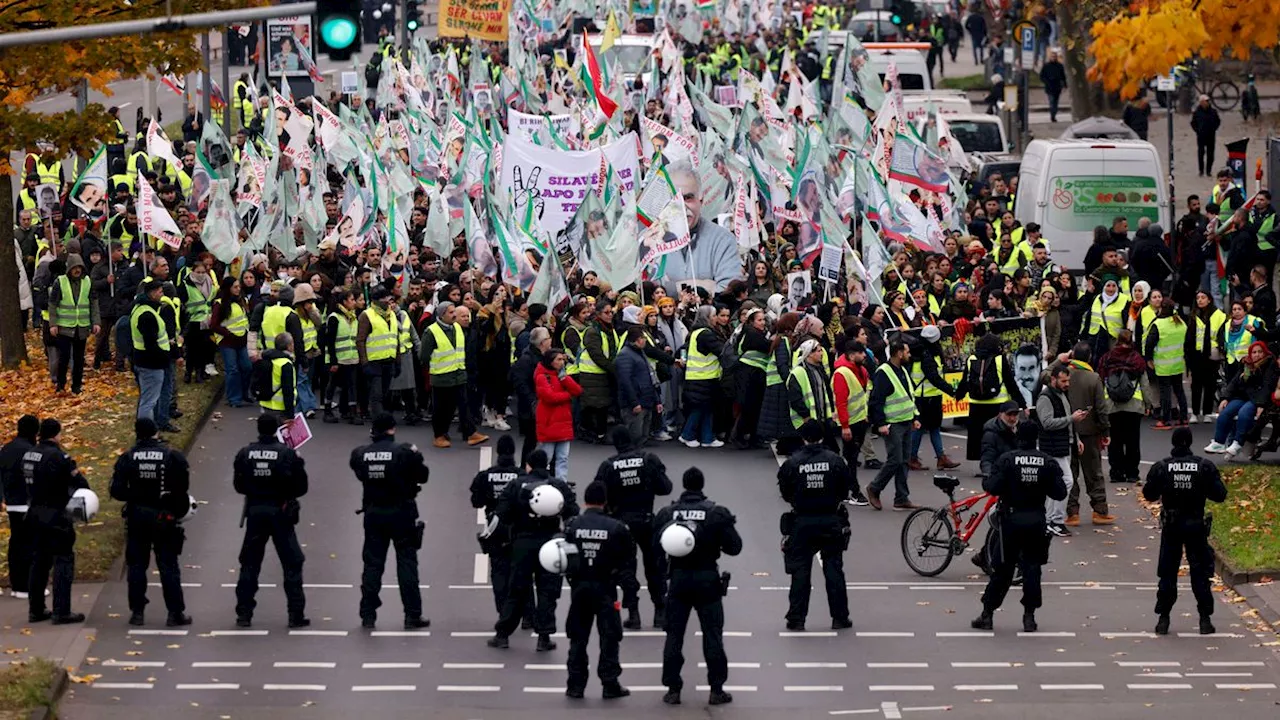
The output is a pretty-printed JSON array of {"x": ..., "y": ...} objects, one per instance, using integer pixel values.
[
  {"x": 1166, "y": 83},
  {"x": 1027, "y": 36}
]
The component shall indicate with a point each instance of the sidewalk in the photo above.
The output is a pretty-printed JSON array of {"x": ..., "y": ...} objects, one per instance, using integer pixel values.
[{"x": 65, "y": 645}]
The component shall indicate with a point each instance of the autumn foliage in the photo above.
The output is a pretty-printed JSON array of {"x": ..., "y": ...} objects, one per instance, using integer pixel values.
[{"x": 1155, "y": 35}]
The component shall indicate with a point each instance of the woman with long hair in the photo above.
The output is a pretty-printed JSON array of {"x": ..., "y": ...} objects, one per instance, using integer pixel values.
[
  {"x": 229, "y": 325},
  {"x": 556, "y": 391},
  {"x": 1234, "y": 340},
  {"x": 672, "y": 333},
  {"x": 1241, "y": 398},
  {"x": 1203, "y": 356},
  {"x": 761, "y": 284},
  {"x": 494, "y": 357},
  {"x": 775, "y": 419}
]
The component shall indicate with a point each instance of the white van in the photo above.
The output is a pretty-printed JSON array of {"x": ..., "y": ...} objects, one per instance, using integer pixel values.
[
  {"x": 977, "y": 132},
  {"x": 913, "y": 73},
  {"x": 945, "y": 102},
  {"x": 1070, "y": 187}
]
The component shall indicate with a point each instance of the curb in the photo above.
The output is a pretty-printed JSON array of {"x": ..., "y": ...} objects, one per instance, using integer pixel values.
[
  {"x": 1242, "y": 583},
  {"x": 55, "y": 692}
]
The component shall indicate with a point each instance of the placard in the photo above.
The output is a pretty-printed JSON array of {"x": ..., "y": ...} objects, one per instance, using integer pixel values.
[
  {"x": 294, "y": 433},
  {"x": 284, "y": 35},
  {"x": 350, "y": 82},
  {"x": 478, "y": 19}
]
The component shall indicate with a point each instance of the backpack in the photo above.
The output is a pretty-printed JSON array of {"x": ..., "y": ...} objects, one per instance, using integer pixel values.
[
  {"x": 729, "y": 353},
  {"x": 1120, "y": 386},
  {"x": 124, "y": 336},
  {"x": 260, "y": 380},
  {"x": 985, "y": 383}
]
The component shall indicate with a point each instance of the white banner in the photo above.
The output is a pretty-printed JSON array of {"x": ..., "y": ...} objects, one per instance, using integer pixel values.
[
  {"x": 153, "y": 219},
  {"x": 524, "y": 125}
]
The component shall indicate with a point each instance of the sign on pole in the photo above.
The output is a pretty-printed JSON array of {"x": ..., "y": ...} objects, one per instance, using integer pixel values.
[
  {"x": 1028, "y": 42},
  {"x": 350, "y": 82},
  {"x": 284, "y": 35}
]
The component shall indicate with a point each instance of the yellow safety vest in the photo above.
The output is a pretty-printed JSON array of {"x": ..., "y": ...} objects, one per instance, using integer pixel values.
[
  {"x": 609, "y": 345},
  {"x": 1001, "y": 396},
  {"x": 274, "y": 321},
  {"x": 571, "y": 363},
  {"x": 235, "y": 322},
  {"x": 924, "y": 388},
  {"x": 74, "y": 311},
  {"x": 858, "y": 395},
  {"x": 752, "y": 358},
  {"x": 800, "y": 377},
  {"x": 900, "y": 406},
  {"x": 120, "y": 135},
  {"x": 245, "y": 105},
  {"x": 309, "y": 335},
  {"x": 276, "y": 402},
  {"x": 1110, "y": 321},
  {"x": 50, "y": 174},
  {"x": 383, "y": 336},
  {"x": 699, "y": 365},
  {"x": 162, "y": 335},
  {"x": 28, "y": 202},
  {"x": 1236, "y": 350},
  {"x": 344, "y": 341},
  {"x": 771, "y": 375},
  {"x": 125, "y": 179},
  {"x": 405, "y": 336},
  {"x": 1216, "y": 320},
  {"x": 448, "y": 356},
  {"x": 1170, "y": 355},
  {"x": 197, "y": 302}
]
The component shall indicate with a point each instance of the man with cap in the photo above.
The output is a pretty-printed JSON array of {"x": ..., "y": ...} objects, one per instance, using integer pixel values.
[
  {"x": 926, "y": 375},
  {"x": 329, "y": 264},
  {"x": 486, "y": 488},
  {"x": 151, "y": 342},
  {"x": 392, "y": 474},
  {"x": 892, "y": 412},
  {"x": 73, "y": 317},
  {"x": 1023, "y": 479},
  {"x": 52, "y": 478},
  {"x": 272, "y": 477},
  {"x": 152, "y": 480},
  {"x": 607, "y": 559},
  {"x": 16, "y": 497},
  {"x": 304, "y": 298},
  {"x": 378, "y": 343},
  {"x": 634, "y": 477},
  {"x": 816, "y": 482},
  {"x": 1181, "y": 483},
  {"x": 444, "y": 353}
]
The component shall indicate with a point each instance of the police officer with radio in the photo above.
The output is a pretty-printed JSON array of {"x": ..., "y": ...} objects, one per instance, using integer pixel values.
[
  {"x": 532, "y": 506},
  {"x": 606, "y": 559},
  {"x": 1022, "y": 478},
  {"x": 633, "y": 478},
  {"x": 272, "y": 477},
  {"x": 13, "y": 492},
  {"x": 696, "y": 583},
  {"x": 815, "y": 481},
  {"x": 52, "y": 479},
  {"x": 152, "y": 479},
  {"x": 392, "y": 474},
  {"x": 495, "y": 539},
  {"x": 1181, "y": 483}
]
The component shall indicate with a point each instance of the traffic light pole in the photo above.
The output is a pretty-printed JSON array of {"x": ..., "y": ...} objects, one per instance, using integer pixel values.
[
  {"x": 402, "y": 32},
  {"x": 158, "y": 24}
]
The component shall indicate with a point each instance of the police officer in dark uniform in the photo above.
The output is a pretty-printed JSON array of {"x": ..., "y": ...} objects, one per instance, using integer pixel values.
[
  {"x": 495, "y": 541},
  {"x": 272, "y": 477},
  {"x": 528, "y": 532},
  {"x": 392, "y": 474},
  {"x": 1181, "y": 483},
  {"x": 52, "y": 478},
  {"x": 815, "y": 481},
  {"x": 633, "y": 478},
  {"x": 152, "y": 479},
  {"x": 606, "y": 559},
  {"x": 1022, "y": 478},
  {"x": 697, "y": 585},
  {"x": 13, "y": 492}
]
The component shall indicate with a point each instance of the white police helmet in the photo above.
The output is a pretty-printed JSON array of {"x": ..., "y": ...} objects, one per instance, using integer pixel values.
[
  {"x": 546, "y": 501},
  {"x": 557, "y": 555},
  {"x": 677, "y": 540},
  {"x": 191, "y": 506},
  {"x": 83, "y": 505}
]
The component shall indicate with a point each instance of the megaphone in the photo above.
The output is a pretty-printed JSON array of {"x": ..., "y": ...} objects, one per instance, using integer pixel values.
[
  {"x": 83, "y": 505},
  {"x": 677, "y": 540},
  {"x": 558, "y": 556}
]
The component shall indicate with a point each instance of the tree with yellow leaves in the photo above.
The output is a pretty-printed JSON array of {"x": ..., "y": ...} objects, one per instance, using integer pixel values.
[
  {"x": 1154, "y": 35},
  {"x": 28, "y": 71}
]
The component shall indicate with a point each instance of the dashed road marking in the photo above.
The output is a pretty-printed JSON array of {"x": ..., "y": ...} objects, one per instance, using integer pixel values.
[
  {"x": 1245, "y": 686},
  {"x": 140, "y": 663},
  {"x": 1148, "y": 663},
  {"x": 1217, "y": 674},
  {"x": 468, "y": 688},
  {"x": 221, "y": 664},
  {"x": 1066, "y": 664},
  {"x": 1159, "y": 686},
  {"x": 729, "y": 688},
  {"x": 882, "y": 634},
  {"x": 307, "y": 665},
  {"x": 897, "y": 665},
  {"x": 1081, "y": 686},
  {"x": 238, "y": 633},
  {"x": 320, "y": 633},
  {"x": 123, "y": 685},
  {"x": 473, "y": 666},
  {"x": 1211, "y": 635},
  {"x": 470, "y": 634},
  {"x": 207, "y": 686},
  {"x": 817, "y": 665},
  {"x": 984, "y": 688},
  {"x": 1230, "y": 663},
  {"x": 400, "y": 633},
  {"x": 965, "y": 634},
  {"x": 981, "y": 664},
  {"x": 174, "y": 633},
  {"x": 900, "y": 688},
  {"x": 384, "y": 688},
  {"x": 1114, "y": 635},
  {"x": 805, "y": 633},
  {"x": 813, "y": 688},
  {"x": 279, "y": 686},
  {"x": 1057, "y": 634},
  {"x": 391, "y": 666}
]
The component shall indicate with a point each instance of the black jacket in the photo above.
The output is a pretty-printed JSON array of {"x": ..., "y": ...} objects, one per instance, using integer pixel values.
[
  {"x": 268, "y": 472},
  {"x": 814, "y": 480},
  {"x": 1151, "y": 260},
  {"x": 1022, "y": 479},
  {"x": 487, "y": 485},
  {"x": 13, "y": 486},
  {"x": 1182, "y": 483},
  {"x": 713, "y": 529},
  {"x": 634, "y": 478},
  {"x": 51, "y": 476},
  {"x": 997, "y": 439},
  {"x": 392, "y": 473},
  {"x": 152, "y": 475},
  {"x": 1205, "y": 122},
  {"x": 521, "y": 377},
  {"x": 513, "y": 506},
  {"x": 607, "y": 552}
]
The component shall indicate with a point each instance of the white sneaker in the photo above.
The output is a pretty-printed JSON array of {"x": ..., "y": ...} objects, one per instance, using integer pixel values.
[
  {"x": 1232, "y": 450},
  {"x": 486, "y": 418},
  {"x": 661, "y": 437},
  {"x": 691, "y": 443},
  {"x": 210, "y": 370},
  {"x": 1193, "y": 419},
  {"x": 1211, "y": 417},
  {"x": 500, "y": 424},
  {"x": 715, "y": 444},
  {"x": 18, "y": 594},
  {"x": 1215, "y": 447}
]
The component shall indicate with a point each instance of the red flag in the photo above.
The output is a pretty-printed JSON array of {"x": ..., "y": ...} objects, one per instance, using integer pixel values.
[{"x": 594, "y": 79}]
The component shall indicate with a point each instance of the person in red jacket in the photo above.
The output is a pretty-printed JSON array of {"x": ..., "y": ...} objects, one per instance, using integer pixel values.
[
  {"x": 554, "y": 414},
  {"x": 851, "y": 368}
]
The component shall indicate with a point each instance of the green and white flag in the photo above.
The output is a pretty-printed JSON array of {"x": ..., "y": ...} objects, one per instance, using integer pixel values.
[
  {"x": 90, "y": 193},
  {"x": 221, "y": 232}
]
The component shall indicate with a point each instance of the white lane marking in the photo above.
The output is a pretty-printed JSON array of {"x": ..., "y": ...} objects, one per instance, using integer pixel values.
[
  {"x": 1113, "y": 635},
  {"x": 177, "y": 633},
  {"x": 480, "y": 516},
  {"x": 644, "y": 666},
  {"x": 804, "y": 633},
  {"x": 473, "y": 666},
  {"x": 981, "y": 664},
  {"x": 965, "y": 634},
  {"x": 935, "y": 587},
  {"x": 393, "y": 586},
  {"x": 1058, "y": 634},
  {"x": 1177, "y": 675},
  {"x": 1229, "y": 663},
  {"x": 1071, "y": 687},
  {"x": 278, "y": 686},
  {"x": 1159, "y": 686},
  {"x": 984, "y": 688},
  {"x": 647, "y": 688},
  {"x": 320, "y": 633},
  {"x": 643, "y": 633},
  {"x": 470, "y": 633},
  {"x": 897, "y": 665},
  {"x": 813, "y": 688},
  {"x": 309, "y": 665},
  {"x": 1088, "y": 587},
  {"x": 486, "y": 457},
  {"x": 1148, "y": 663},
  {"x": 468, "y": 688},
  {"x": 391, "y": 666},
  {"x": 729, "y": 633},
  {"x": 123, "y": 686},
  {"x": 384, "y": 688},
  {"x": 545, "y": 666},
  {"x": 866, "y": 587},
  {"x": 1245, "y": 686},
  {"x": 185, "y": 585},
  {"x": 327, "y": 586},
  {"x": 260, "y": 585},
  {"x": 880, "y": 634},
  {"x": 400, "y": 633},
  {"x": 868, "y": 711},
  {"x": 540, "y": 689},
  {"x": 729, "y": 688},
  {"x": 140, "y": 663},
  {"x": 480, "y": 572},
  {"x": 732, "y": 665},
  {"x": 1211, "y": 635},
  {"x": 1218, "y": 674},
  {"x": 238, "y": 633},
  {"x": 901, "y": 688},
  {"x": 207, "y": 686},
  {"x": 817, "y": 665},
  {"x": 470, "y": 587},
  {"x": 891, "y": 711},
  {"x": 220, "y": 664},
  {"x": 1066, "y": 664}
]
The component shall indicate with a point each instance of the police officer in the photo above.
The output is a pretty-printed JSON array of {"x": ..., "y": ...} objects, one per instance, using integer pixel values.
[
  {"x": 13, "y": 491},
  {"x": 152, "y": 479},
  {"x": 486, "y": 488},
  {"x": 633, "y": 478},
  {"x": 392, "y": 474},
  {"x": 1022, "y": 478},
  {"x": 52, "y": 478},
  {"x": 607, "y": 559},
  {"x": 815, "y": 481},
  {"x": 528, "y": 532},
  {"x": 272, "y": 477},
  {"x": 1181, "y": 483},
  {"x": 696, "y": 585}
]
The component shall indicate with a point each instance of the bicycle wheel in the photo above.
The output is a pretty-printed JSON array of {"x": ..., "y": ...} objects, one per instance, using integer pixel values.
[
  {"x": 926, "y": 541},
  {"x": 1224, "y": 95}
]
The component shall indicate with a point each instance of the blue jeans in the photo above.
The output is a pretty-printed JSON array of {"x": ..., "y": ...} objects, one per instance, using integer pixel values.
[
  {"x": 558, "y": 454},
  {"x": 150, "y": 389},
  {"x": 1210, "y": 283},
  {"x": 235, "y": 361},
  {"x": 306, "y": 396},
  {"x": 935, "y": 437},
  {"x": 167, "y": 397},
  {"x": 699, "y": 425},
  {"x": 1238, "y": 413}
]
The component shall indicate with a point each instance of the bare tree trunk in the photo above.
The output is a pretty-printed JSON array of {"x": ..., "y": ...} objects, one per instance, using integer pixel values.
[
  {"x": 1075, "y": 39},
  {"x": 13, "y": 346}
]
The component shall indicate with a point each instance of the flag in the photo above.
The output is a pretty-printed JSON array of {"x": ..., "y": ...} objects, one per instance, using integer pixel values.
[
  {"x": 478, "y": 243},
  {"x": 91, "y": 191},
  {"x": 593, "y": 78},
  {"x": 176, "y": 83},
  {"x": 220, "y": 234},
  {"x": 611, "y": 32},
  {"x": 914, "y": 164},
  {"x": 153, "y": 219},
  {"x": 308, "y": 62},
  {"x": 657, "y": 194},
  {"x": 158, "y": 145}
]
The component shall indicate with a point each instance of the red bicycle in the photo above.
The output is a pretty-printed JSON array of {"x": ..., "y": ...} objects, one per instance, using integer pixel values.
[{"x": 932, "y": 537}]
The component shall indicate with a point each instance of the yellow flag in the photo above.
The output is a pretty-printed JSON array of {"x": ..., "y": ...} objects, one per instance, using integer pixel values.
[{"x": 611, "y": 32}]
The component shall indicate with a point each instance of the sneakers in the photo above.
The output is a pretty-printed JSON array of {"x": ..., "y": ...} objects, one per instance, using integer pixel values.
[
  {"x": 983, "y": 622},
  {"x": 663, "y": 436},
  {"x": 1103, "y": 519},
  {"x": 1193, "y": 419},
  {"x": 1206, "y": 625},
  {"x": 946, "y": 463},
  {"x": 486, "y": 418},
  {"x": 476, "y": 438},
  {"x": 20, "y": 595},
  {"x": 915, "y": 464},
  {"x": 858, "y": 500},
  {"x": 1162, "y": 625},
  {"x": 442, "y": 442},
  {"x": 1072, "y": 521},
  {"x": 501, "y": 424},
  {"x": 1029, "y": 622},
  {"x": 714, "y": 444},
  {"x": 1215, "y": 447},
  {"x": 1058, "y": 530},
  {"x": 1232, "y": 450},
  {"x": 873, "y": 498},
  {"x": 691, "y": 443}
]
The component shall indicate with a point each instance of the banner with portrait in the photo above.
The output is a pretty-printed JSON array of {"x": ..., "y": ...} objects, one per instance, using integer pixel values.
[{"x": 287, "y": 39}]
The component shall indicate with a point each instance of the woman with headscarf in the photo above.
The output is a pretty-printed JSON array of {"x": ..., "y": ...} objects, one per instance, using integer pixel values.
[
  {"x": 1126, "y": 415},
  {"x": 1233, "y": 340},
  {"x": 1248, "y": 391},
  {"x": 775, "y": 421},
  {"x": 753, "y": 360},
  {"x": 672, "y": 334},
  {"x": 1045, "y": 306},
  {"x": 700, "y": 393},
  {"x": 960, "y": 306},
  {"x": 1168, "y": 343},
  {"x": 1204, "y": 357},
  {"x": 1105, "y": 317},
  {"x": 896, "y": 302},
  {"x": 494, "y": 356},
  {"x": 786, "y": 254},
  {"x": 809, "y": 394}
]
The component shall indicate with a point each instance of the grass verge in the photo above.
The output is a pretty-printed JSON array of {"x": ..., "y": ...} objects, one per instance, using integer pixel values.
[
  {"x": 1244, "y": 525},
  {"x": 979, "y": 81},
  {"x": 25, "y": 686},
  {"x": 97, "y": 427}
]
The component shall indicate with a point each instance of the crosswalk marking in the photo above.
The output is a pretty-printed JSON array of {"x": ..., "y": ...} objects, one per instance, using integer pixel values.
[{"x": 1232, "y": 663}]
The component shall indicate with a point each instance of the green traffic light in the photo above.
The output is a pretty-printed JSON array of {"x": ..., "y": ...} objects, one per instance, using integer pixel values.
[
  {"x": 896, "y": 19},
  {"x": 413, "y": 25},
  {"x": 338, "y": 32}
]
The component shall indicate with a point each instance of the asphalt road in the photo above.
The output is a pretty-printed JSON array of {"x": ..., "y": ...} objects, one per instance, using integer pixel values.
[{"x": 911, "y": 648}]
